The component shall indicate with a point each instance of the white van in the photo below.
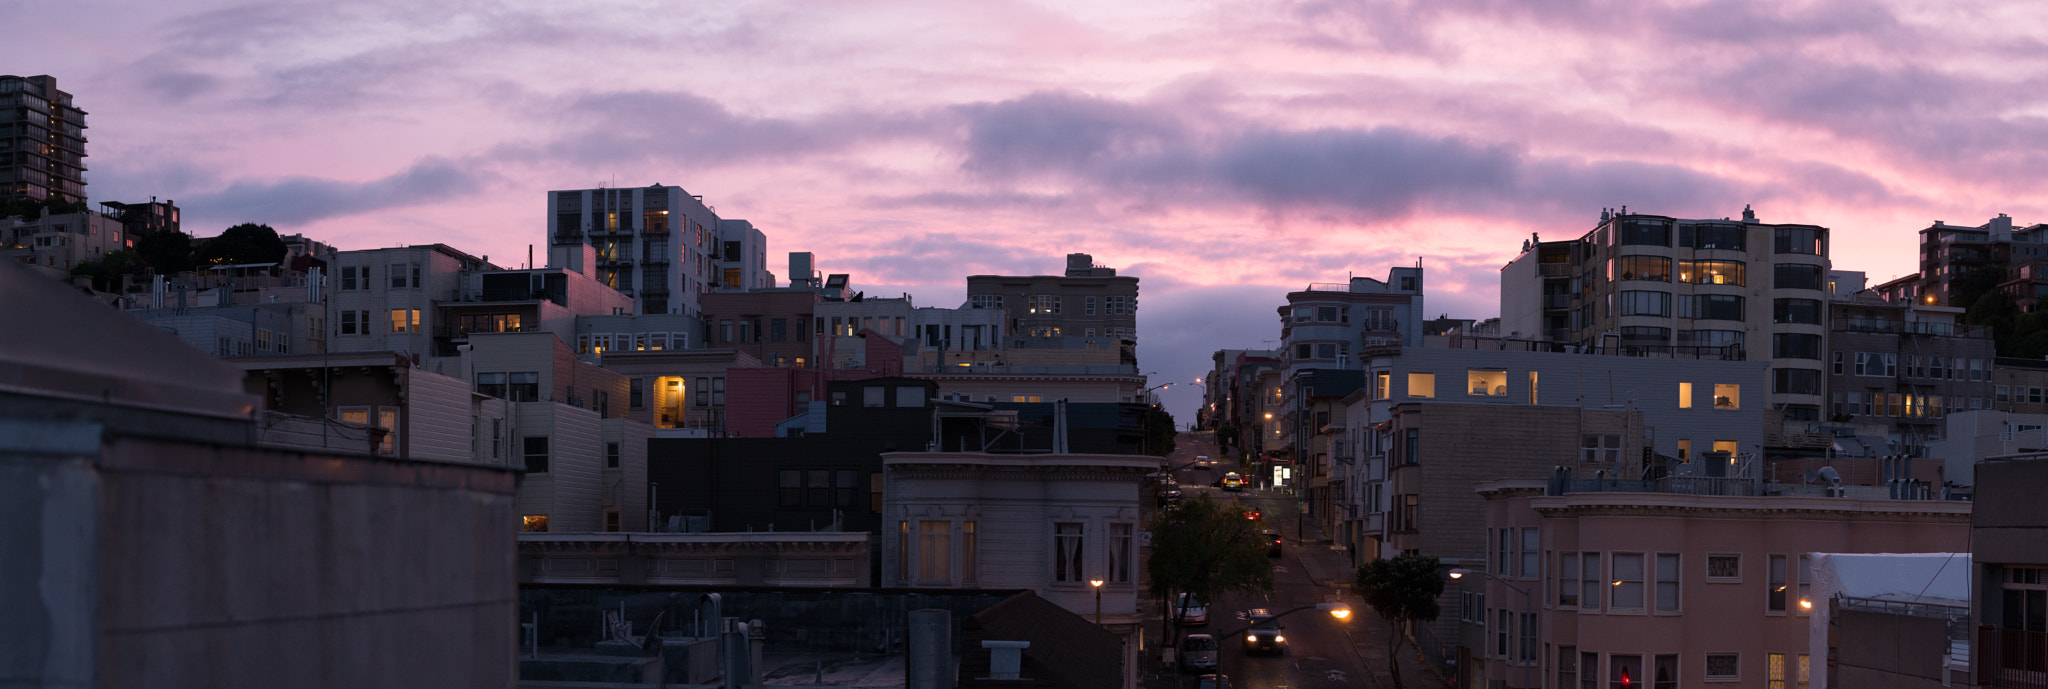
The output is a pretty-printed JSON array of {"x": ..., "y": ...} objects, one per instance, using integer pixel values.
[{"x": 1198, "y": 652}]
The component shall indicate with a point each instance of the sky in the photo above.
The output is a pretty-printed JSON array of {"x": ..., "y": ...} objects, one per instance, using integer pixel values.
[{"x": 1226, "y": 153}]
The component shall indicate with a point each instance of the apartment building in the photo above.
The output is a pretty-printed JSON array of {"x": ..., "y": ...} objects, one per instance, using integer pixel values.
[
  {"x": 296, "y": 327},
  {"x": 960, "y": 334},
  {"x": 142, "y": 219},
  {"x": 2019, "y": 385},
  {"x": 2009, "y": 556},
  {"x": 388, "y": 299},
  {"x": 1683, "y": 581},
  {"x": 423, "y": 414},
  {"x": 660, "y": 245},
  {"x": 42, "y": 141},
  {"x": 776, "y": 326},
  {"x": 1905, "y": 365},
  {"x": 1311, "y": 437},
  {"x": 1089, "y": 300},
  {"x": 1667, "y": 284},
  {"x": 1050, "y": 523},
  {"x": 679, "y": 392},
  {"x": 1326, "y": 324},
  {"x": 66, "y": 240},
  {"x": 1949, "y": 252}
]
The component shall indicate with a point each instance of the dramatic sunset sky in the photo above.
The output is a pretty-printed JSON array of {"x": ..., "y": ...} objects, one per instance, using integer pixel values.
[{"x": 1224, "y": 152}]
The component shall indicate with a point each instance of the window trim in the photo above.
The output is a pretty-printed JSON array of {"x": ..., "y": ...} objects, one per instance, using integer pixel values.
[{"x": 1707, "y": 561}]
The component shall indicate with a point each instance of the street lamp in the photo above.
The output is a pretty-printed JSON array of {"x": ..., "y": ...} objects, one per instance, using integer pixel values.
[
  {"x": 1528, "y": 608},
  {"x": 1337, "y": 609},
  {"x": 1097, "y": 583}
]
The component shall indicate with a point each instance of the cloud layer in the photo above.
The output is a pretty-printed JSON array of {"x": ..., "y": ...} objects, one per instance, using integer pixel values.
[{"x": 1224, "y": 152}]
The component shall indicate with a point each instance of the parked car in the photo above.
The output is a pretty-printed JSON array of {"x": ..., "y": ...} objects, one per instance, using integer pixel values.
[
  {"x": 1273, "y": 542},
  {"x": 1264, "y": 636},
  {"x": 1213, "y": 682},
  {"x": 1168, "y": 493},
  {"x": 1198, "y": 652},
  {"x": 1195, "y": 613}
]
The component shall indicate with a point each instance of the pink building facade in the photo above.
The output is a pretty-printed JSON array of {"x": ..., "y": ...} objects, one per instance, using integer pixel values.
[{"x": 1665, "y": 590}]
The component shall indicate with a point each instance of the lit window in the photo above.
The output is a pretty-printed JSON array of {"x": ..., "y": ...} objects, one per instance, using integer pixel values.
[
  {"x": 1487, "y": 383},
  {"x": 1727, "y": 396},
  {"x": 1685, "y": 395},
  {"x": 1421, "y": 385},
  {"x": 534, "y": 522}
]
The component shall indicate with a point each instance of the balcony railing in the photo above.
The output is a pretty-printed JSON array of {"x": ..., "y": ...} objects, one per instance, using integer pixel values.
[
  {"x": 1855, "y": 325},
  {"x": 2011, "y": 658},
  {"x": 1557, "y": 301},
  {"x": 1676, "y": 485},
  {"x": 1554, "y": 270},
  {"x": 1328, "y": 287}
]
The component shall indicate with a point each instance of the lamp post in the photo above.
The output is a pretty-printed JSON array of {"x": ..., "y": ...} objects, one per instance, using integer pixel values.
[
  {"x": 1097, "y": 583},
  {"x": 1337, "y": 609},
  {"x": 1528, "y": 608}
]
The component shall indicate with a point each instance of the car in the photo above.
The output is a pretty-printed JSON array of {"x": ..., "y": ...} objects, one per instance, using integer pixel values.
[
  {"x": 1198, "y": 652},
  {"x": 1213, "y": 682},
  {"x": 1264, "y": 636},
  {"x": 1273, "y": 542},
  {"x": 1253, "y": 513},
  {"x": 1204, "y": 461},
  {"x": 1234, "y": 482},
  {"x": 1193, "y": 612},
  {"x": 1169, "y": 493}
]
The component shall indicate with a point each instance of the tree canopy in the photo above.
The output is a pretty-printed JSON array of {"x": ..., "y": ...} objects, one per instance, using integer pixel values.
[
  {"x": 1403, "y": 591},
  {"x": 168, "y": 252},
  {"x": 1206, "y": 547},
  {"x": 244, "y": 243}
]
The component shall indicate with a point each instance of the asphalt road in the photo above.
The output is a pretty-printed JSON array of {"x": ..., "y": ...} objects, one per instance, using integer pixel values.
[{"x": 1320, "y": 653}]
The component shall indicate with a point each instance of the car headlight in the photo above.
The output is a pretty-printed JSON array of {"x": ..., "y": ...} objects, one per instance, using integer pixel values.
[
  {"x": 1279, "y": 639},
  {"x": 1251, "y": 638}
]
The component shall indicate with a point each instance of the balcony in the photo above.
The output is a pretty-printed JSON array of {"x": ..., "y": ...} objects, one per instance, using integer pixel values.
[
  {"x": 1328, "y": 287},
  {"x": 1554, "y": 270},
  {"x": 1557, "y": 301}
]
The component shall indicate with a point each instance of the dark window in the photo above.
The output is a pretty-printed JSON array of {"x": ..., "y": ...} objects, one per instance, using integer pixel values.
[
  {"x": 636, "y": 393},
  {"x": 1795, "y": 346},
  {"x": 732, "y": 252},
  {"x": 536, "y": 454},
  {"x": 1726, "y": 307},
  {"x": 1645, "y": 335},
  {"x": 492, "y": 384},
  {"x": 789, "y": 488},
  {"x": 1796, "y": 276},
  {"x": 525, "y": 387},
  {"x": 1796, "y": 311},
  {"x": 778, "y": 329},
  {"x": 1795, "y": 381},
  {"x": 1411, "y": 446},
  {"x": 819, "y": 485},
  {"x": 1645, "y": 232},
  {"x": 1304, "y": 351},
  {"x": 1725, "y": 237},
  {"x": 1646, "y": 304},
  {"x": 1797, "y": 240},
  {"x": 611, "y": 455},
  {"x": 845, "y": 486}
]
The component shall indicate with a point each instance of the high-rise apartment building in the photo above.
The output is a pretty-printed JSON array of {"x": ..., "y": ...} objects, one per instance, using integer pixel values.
[
  {"x": 1683, "y": 288},
  {"x": 660, "y": 245},
  {"x": 42, "y": 141}
]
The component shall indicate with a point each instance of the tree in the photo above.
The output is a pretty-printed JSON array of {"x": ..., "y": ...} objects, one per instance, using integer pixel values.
[
  {"x": 106, "y": 273},
  {"x": 1403, "y": 591},
  {"x": 1205, "y": 547},
  {"x": 1975, "y": 283},
  {"x": 168, "y": 251},
  {"x": 244, "y": 243}
]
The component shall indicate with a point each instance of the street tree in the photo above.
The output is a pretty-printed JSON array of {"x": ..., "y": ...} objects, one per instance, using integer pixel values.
[
  {"x": 1205, "y": 547},
  {"x": 1403, "y": 591},
  {"x": 244, "y": 243}
]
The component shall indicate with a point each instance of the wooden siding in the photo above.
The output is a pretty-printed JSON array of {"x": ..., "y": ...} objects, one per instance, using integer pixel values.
[{"x": 435, "y": 423}]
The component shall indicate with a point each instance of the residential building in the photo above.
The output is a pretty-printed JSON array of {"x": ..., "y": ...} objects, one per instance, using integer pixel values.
[
  {"x": 925, "y": 334},
  {"x": 1050, "y": 523},
  {"x": 2009, "y": 552},
  {"x": 1666, "y": 284},
  {"x": 1948, "y": 252},
  {"x": 1326, "y": 324},
  {"x": 2019, "y": 385},
  {"x": 295, "y": 327},
  {"x": 775, "y": 326},
  {"x": 600, "y": 336},
  {"x": 659, "y": 245},
  {"x": 1680, "y": 581},
  {"x": 681, "y": 393},
  {"x": 566, "y": 424},
  {"x": 1970, "y": 438},
  {"x": 65, "y": 240},
  {"x": 555, "y": 300},
  {"x": 1311, "y": 439},
  {"x": 1089, "y": 300},
  {"x": 1235, "y": 394},
  {"x": 1039, "y": 383},
  {"x": 165, "y": 543},
  {"x": 1902, "y": 365},
  {"x": 423, "y": 415},
  {"x": 388, "y": 299},
  {"x": 142, "y": 219},
  {"x": 45, "y": 141}
]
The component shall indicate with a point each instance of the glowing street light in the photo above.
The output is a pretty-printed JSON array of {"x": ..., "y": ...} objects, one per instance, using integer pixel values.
[{"x": 1097, "y": 583}]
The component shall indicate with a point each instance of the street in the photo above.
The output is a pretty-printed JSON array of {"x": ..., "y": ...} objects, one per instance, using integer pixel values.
[{"x": 1323, "y": 651}]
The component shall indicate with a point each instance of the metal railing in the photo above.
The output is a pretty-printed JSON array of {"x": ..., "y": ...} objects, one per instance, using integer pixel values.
[
  {"x": 2011, "y": 658},
  {"x": 1554, "y": 270},
  {"x": 1858, "y": 325},
  {"x": 1676, "y": 485}
]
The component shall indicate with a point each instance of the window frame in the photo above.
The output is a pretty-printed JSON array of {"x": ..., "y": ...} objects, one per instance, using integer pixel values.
[{"x": 1711, "y": 578}]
